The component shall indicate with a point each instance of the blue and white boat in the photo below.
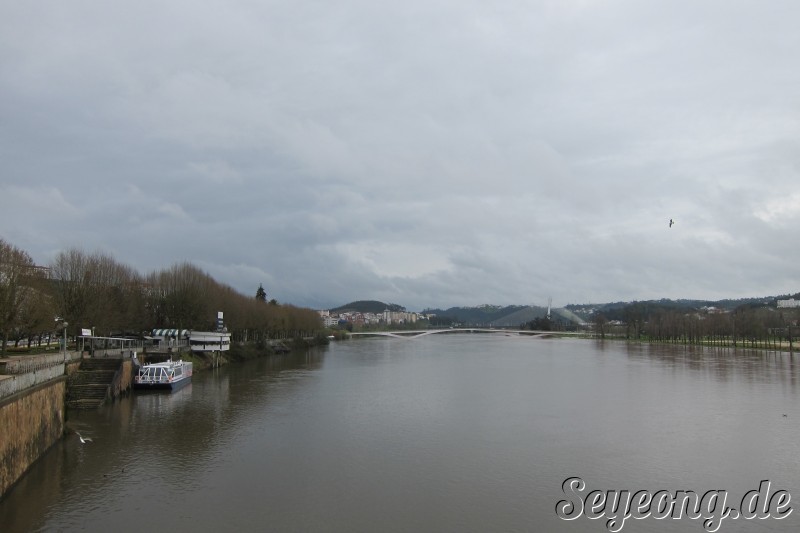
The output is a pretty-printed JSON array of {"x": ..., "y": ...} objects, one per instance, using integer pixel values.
[{"x": 169, "y": 375}]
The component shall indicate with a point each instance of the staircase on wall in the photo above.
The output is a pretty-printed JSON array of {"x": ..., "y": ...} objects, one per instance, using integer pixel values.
[{"x": 88, "y": 388}]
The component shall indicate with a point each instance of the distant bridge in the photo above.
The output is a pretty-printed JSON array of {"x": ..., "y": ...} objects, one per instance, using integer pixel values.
[{"x": 407, "y": 334}]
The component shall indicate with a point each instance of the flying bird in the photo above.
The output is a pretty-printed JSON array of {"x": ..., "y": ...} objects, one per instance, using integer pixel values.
[
  {"x": 83, "y": 440},
  {"x": 671, "y": 222}
]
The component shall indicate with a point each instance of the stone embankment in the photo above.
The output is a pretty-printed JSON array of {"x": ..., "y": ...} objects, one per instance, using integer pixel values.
[
  {"x": 32, "y": 395},
  {"x": 35, "y": 392}
]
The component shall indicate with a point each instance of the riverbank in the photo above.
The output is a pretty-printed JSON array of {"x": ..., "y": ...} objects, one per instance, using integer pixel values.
[
  {"x": 771, "y": 345},
  {"x": 240, "y": 352}
]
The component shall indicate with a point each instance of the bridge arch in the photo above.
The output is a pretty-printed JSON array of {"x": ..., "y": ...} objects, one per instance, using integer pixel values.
[{"x": 415, "y": 334}]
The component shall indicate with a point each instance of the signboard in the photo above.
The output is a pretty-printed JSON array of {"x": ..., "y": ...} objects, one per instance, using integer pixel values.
[{"x": 86, "y": 332}]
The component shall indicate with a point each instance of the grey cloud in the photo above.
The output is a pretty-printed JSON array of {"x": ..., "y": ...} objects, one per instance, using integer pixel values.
[{"x": 427, "y": 153}]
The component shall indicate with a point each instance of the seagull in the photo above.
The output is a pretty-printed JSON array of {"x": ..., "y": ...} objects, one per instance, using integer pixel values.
[
  {"x": 671, "y": 222},
  {"x": 83, "y": 440}
]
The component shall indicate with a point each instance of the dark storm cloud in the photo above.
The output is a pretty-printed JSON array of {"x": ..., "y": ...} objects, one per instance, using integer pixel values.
[{"x": 425, "y": 153}]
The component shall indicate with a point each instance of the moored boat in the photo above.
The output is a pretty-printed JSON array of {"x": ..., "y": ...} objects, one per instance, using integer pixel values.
[{"x": 169, "y": 375}]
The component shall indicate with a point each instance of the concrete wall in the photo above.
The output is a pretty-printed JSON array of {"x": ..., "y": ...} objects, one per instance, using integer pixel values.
[
  {"x": 31, "y": 421},
  {"x": 16, "y": 383},
  {"x": 125, "y": 381},
  {"x": 31, "y": 363}
]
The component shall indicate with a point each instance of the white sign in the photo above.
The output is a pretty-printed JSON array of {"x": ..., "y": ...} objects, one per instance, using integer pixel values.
[{"x": 86, "y": 332}]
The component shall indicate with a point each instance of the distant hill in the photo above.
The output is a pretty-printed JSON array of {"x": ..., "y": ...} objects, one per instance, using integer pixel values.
[
  {"x": 367, "y": 306},
  {"x": 510, "y": 316},
  {"x": 520, "y": 316},
  {"x": 616, "y": 310},
  {"x": 515, "y": 315},
  {"x": 483, "y": 315}
]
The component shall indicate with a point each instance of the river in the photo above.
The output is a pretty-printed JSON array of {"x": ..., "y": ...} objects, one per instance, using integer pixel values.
[{"x": 459, "y": 432}]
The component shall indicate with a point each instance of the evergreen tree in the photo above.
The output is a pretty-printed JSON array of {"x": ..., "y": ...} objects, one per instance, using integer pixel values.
[{"x": 261, "y": 294}]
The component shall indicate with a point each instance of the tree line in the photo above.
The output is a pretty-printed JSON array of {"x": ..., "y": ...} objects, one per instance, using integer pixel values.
[
  {"x": 93, "y": 290},
  {"x": 748, "y": 325}
]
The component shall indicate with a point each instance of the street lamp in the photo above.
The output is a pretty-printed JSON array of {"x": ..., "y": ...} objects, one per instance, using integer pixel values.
[{"x": 65, "y": 340}]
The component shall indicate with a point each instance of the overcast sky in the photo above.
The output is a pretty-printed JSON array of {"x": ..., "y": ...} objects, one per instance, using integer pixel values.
[{"x": 424, "y": 152}]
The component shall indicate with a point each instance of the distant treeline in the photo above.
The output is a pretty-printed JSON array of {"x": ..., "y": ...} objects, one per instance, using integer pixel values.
[
  {"x": 95, "y": 291},
  {"x": 616, "y": 310},
  {"x": 749, "y": 324}
]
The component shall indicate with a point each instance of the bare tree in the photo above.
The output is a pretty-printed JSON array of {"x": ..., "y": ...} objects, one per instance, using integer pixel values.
[
  {"x": 600, "y": 322},
  {"x": 179, "y": 297},
  {"x": 94, "y": 290},
  {"x": 71, "y": 275},
  {"x": 21, "y": 297}
]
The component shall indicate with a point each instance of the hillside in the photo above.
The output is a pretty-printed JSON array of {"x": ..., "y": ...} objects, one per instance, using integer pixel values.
[
  {"x": 484, "y": 315},
  {"x": 616, "y": 310},
  {"x": 510, "y": 316},
  {"x": 516, "y": 315},
  {"x": 367, "y": 306}
]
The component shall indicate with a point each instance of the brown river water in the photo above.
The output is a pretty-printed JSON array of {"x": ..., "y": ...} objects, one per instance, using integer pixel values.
[{"x": 445, "y": 433}]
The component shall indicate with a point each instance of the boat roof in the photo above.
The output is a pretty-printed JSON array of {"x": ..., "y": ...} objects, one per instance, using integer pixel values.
[
  {"x": 165, "y": 364},
  {"x": 181, "y": 333}
]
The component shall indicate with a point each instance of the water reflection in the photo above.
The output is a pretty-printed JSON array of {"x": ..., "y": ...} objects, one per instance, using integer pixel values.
[
  {"x": 142, "y": 442},
  {"x": 721, "y": 363},
  {"x": 463, "y": 433}
]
